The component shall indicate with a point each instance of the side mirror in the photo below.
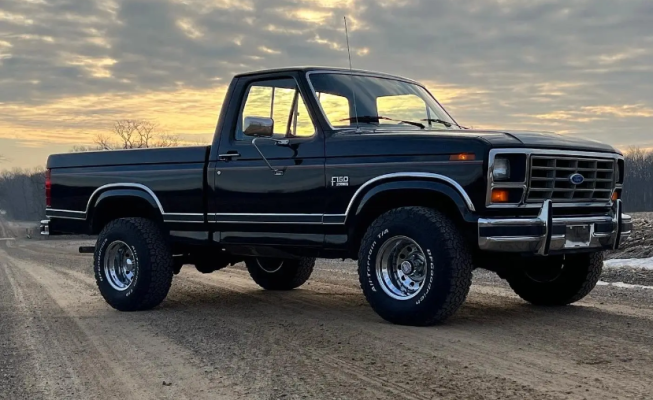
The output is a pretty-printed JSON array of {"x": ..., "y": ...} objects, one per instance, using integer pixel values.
[{"x": 258, "y": 127}]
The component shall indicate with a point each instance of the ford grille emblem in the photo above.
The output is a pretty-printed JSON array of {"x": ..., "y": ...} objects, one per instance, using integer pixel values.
[{"x": 576, "y": 179}]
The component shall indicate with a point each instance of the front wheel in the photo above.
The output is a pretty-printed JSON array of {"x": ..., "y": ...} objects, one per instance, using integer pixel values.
[
  {"x": 133, "y": 264},
  {"x": 556, "y": 280},
  {"x": 280, "y": 273},
  {"x": 414, "y": 266}
]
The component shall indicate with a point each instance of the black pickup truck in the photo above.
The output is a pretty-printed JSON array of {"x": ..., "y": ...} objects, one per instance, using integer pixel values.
[{"x": 313, "y": 163}]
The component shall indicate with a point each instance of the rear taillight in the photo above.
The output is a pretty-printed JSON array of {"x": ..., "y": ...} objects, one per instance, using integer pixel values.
[{"x": 48, "y": 188}]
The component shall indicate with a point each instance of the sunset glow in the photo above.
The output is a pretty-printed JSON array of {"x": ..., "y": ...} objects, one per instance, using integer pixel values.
[{"x": 68, "y": 72}]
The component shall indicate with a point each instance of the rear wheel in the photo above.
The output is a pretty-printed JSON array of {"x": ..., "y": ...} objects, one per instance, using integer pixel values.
[
  {"x": 556, "y": 280},
  {"x": 133, "y": 264},
  {"x": 280, "y": 273},
  {"x": 414, "y": 266}
]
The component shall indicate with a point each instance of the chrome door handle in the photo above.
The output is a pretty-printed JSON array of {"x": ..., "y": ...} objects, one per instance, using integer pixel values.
[{"x": 228, "y": 156}]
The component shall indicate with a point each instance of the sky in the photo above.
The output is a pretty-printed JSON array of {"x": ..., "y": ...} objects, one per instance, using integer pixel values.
[{"x": 70, "y": 68}]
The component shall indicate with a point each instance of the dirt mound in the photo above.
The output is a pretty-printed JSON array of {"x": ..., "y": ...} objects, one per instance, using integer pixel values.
[{"x": 640, "y": 243}]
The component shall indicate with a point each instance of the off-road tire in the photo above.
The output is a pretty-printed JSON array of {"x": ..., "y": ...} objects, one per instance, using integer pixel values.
[
  {"x": 577, "y": 278},
  {"x": 448, "y": 268},
  {"x": 280, "y": 274},
  {"x": 153, "y": 262}
]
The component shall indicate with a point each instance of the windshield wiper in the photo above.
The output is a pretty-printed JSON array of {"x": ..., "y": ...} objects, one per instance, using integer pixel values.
[
  {"x": 366, "y": 119},
  {"x": 439, "y": 121}
]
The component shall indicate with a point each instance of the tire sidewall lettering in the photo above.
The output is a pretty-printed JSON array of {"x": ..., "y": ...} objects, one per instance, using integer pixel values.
[
  {"x": 431, "y": 276},
  {"x": 134, "y": 284},
  {"x": 100, "y": 260},
  {"x": 370, "y": 274},
  {"x": 371, "y": 256}
]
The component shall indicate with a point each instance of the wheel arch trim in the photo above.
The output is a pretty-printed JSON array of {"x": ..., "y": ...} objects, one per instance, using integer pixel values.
[
  {"x": 425, "y": 175},
  {"x": 103, "y": 189},
  {"x": 427, "y": 186},
  {"x": 145, "y": 193},
  {"x": 129, "y": 193}
]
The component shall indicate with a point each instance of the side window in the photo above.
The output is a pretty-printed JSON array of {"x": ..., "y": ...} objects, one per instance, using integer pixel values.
[
  {"x": 280, "y": 100},
  {"x": 336, "y": 108},
  {"x": 407, "y": 107}
]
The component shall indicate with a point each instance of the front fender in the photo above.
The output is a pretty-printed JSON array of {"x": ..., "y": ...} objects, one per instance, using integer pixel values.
[{"x": 439, "y": 187}]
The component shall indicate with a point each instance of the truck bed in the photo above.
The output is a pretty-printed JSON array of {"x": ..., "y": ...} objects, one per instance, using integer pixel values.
[
  {"x": 172, "y": 180},
  {"x": 195, "y": 154}
]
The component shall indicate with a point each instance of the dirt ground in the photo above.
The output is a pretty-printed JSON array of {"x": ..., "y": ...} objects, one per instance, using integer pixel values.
[
  {"x": 640, "y": 243},
  {"x": 219, "y": 336}
]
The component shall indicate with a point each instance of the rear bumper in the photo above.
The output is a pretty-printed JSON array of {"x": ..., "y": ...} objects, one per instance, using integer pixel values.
[
  {"x": 55, "y": 226},
  {"x": 545, "y": 234},
  {"x": 45, "y": 227}
]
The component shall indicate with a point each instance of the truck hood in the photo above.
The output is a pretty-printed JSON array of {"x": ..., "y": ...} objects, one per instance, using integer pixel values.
[
  {"x": 547, "y": 140},
  {"x": 505, "y": 138}
]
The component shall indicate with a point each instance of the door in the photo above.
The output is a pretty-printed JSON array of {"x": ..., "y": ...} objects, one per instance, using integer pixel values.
[{"x": 277, "y": 204}]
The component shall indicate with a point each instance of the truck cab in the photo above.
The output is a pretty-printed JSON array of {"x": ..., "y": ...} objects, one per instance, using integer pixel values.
[{"x": 318, "y": 162}]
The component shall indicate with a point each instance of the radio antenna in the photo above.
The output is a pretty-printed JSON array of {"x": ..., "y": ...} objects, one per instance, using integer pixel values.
[{"x": 353, "y": 90}]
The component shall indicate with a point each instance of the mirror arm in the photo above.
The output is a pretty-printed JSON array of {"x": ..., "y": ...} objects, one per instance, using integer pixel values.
[{"x": 277, "y": 172}]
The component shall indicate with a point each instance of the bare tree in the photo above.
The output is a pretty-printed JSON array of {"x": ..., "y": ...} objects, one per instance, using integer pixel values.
[
  {"x": 167, "y": 140},
  {"x": 103, "y": 142},
  {"x": 81, "y": 148},
  {"x": 135, "y": 134}
]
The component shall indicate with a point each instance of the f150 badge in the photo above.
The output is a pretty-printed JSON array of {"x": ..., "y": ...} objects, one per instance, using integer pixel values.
[{"x": 339, "y": 181}]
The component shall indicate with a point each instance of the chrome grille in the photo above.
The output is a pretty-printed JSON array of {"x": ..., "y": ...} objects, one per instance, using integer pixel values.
[{"x": 550, "y": 178}]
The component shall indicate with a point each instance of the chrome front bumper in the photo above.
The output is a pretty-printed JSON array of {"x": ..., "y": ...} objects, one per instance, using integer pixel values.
[
  {"x": 545, "y": 234},
  {"x": 45, "y": 227}
]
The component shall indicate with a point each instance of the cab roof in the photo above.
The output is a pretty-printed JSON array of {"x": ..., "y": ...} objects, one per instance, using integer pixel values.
[{"x": 306, "y": 69}]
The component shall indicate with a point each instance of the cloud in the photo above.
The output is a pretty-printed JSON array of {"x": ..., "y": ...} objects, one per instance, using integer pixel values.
[{"x": 68, "y": 67}]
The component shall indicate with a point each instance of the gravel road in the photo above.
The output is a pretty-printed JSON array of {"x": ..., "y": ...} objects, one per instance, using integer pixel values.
[{"x": 219, "y": 336}]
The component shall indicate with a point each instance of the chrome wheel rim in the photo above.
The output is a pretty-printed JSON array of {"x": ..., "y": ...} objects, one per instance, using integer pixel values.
[
  {"x": 119, "y": 265},
  {"x": 270, "y": 269},
  {"x": 401, "y": 268}
]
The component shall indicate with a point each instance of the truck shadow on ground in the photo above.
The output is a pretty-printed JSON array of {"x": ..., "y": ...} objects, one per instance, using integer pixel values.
[{"x": 479, "y": 313}]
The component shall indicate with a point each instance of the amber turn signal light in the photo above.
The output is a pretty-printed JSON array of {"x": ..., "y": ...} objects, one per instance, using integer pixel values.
[
  {"x": 462, "y": 157},
  {"x": 499, "y": 196},
  {"x": 615, "y": 196}
]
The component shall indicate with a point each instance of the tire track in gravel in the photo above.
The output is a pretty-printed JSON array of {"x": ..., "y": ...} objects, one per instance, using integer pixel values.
[
  {"x": 52, "y": 340},
  {"x": 17, "y": 366},
  {"x": 105, "y": 354}
]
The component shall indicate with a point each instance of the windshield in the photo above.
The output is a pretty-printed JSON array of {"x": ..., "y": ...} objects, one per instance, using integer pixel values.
[{"x": 380, "y": 103}]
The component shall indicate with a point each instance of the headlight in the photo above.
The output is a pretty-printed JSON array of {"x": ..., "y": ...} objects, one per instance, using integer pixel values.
[
  {"x": 501, "y": 169},
  {"x": 618, "y": 173}
]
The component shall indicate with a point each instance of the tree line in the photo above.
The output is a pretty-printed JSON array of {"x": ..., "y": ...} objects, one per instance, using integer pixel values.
[
  {"x": 638, "y": 182},
  {"x": 22, "y": 191}
]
